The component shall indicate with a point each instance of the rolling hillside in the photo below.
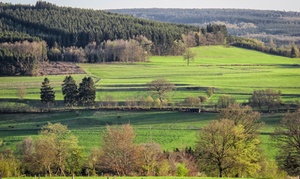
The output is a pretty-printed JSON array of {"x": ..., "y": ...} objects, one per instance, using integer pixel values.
[{"x": 282, "y": 26}]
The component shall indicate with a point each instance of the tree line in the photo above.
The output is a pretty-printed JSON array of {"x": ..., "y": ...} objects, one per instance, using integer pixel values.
[
  {"x": 226, "y": 147},
  {"x": 85, "y": 95},
  {"x": 22, "y": 58},
  {"x": 291, "y": 50}
]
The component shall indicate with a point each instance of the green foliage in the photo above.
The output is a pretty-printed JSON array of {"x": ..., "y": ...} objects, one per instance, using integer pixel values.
[
  {"x": 225, "y": 101},
  {"x": 182, "y": 170},
  {"x": 265, "y": 98},
  {"x": 87, "y": 91},
  {"x": 160, "y": 87},
  {"x": 55, "y": 152},
  {"x": 191, "y": 102},
  {"x": 209, "y": 92},
  {"x": 9, "y": 165},
  {"x": 189, "y": 55},
  {"x": 70, "y": 91},
  {"x": 47, "y": 93},
  {"x": 288, "y": 142},
  {"x": 222, "y": 150}
]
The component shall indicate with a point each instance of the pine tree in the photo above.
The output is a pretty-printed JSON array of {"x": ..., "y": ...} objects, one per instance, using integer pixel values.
[
  {"x": 70, "y": 91},
  {"x": 47, "y": 93},
  {"x": 87, "y": 91},
  {"x": 294, "y": 52}
]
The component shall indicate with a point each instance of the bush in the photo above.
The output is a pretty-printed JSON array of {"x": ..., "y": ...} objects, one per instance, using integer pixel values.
[{"x": 182, "y": 170}]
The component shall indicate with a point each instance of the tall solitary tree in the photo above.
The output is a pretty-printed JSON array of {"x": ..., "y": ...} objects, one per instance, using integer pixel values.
[
  {"x": 87, "y": 91},
  {"x": 189, "y": 55},
  {"x": 47, "y": 93},
  {"x": 70, "y": 91}
]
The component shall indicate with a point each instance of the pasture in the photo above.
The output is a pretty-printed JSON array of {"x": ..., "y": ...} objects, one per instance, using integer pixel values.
[
  {"x": 171, "y": 129},
  {"x": 229, "y": 70}
]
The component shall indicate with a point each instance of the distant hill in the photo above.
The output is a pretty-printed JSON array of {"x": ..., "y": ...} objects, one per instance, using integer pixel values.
[
  {"x": 263, "y": 24},
  {"x": 67, "y": 27}
]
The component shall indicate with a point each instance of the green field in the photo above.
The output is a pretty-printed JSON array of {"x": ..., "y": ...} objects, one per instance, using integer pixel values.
[
  {"x": 171, "y": 129},
  {"x": 140, "y": 177},
  {"x": 230, "y": 70}
]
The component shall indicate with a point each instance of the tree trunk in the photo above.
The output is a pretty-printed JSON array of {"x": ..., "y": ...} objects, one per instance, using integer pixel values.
[{"x": 220, "y": 169}]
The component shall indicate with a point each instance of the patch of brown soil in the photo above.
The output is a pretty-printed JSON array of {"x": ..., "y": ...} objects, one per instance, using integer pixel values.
[{"x": 59, "y": 68}]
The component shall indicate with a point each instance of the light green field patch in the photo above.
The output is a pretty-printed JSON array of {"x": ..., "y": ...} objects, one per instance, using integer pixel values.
[{"x": 229, "y": 70}]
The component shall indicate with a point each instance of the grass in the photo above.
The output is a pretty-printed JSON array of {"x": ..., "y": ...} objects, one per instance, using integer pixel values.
[
  {"x": 139, "y": 177},
  {"x": 230, "y": 70},
  {"x": 170, "y": 129}
]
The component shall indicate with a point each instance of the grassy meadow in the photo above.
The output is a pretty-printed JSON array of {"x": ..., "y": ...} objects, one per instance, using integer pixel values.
[
  {"x": 229, "y": 70},
  {"x": 171, "y": 129}
]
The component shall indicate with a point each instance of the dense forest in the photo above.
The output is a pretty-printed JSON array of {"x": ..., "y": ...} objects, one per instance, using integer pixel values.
[
  {"x": 281, "y": 25},
  {"x": 78, "y": 27}
]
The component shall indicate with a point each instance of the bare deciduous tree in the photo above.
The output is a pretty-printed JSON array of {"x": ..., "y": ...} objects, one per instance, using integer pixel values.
[
  {"x": 160, "y": 87},
  {"x": 120, "y": 155}
]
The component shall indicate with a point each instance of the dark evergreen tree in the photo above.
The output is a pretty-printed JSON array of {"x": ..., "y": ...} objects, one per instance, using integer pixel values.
[
  {"x": 70, "y": 91},
  {"x": 294, "y": 52},
  {"x": 47, "y": 93},
  {"x": 87, "y": 91}
]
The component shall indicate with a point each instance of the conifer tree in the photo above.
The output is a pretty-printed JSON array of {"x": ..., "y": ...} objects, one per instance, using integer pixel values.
[
  {"x": 87, "y": 91},
  {"x": 294, "y": 52},
  {"x": 70, "y": 91},
  {"x": 47, "y": 93}
]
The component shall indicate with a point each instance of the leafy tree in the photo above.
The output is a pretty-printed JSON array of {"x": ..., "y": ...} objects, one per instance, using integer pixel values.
[
  {"x": 120, "y": 155},
  {"x": 242, "y": 115},
  {"x": 9, "y": 164},
  {"x": 287, "y": 136},
  {"x": 160, "y": 87},
  {"x": 152, "y": 154},
  {"x": 223, "y": 151},
  {"x": 189, "y": 55},
  {"x": 55, "y": 152},
  {"x": 192, "y": 101},
  {"x": 87, "y": 91},
  {"x": 225, "y": 101},
  {"x": 70, "y": 91},
  {"x": 47, "y": 93},
  {"x": 265, "y": 98}
]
